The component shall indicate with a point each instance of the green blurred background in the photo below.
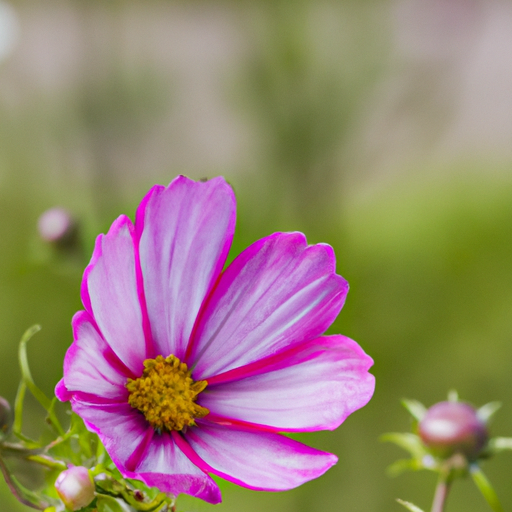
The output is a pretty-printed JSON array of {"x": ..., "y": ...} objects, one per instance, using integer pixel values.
[{"x": 381, "y": 128}]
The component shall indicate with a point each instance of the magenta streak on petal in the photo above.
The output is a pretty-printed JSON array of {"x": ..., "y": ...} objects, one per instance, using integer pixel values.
[
  {"x": 92, "y": 399},
  {"x": 61, "y": 391},
  {"x": 224, "y": 421},
  {"x": 191, "y": 345},
  {"x": 146, "y": 326},
  {"x": 138, "y": 454},
  {"x": 266, "y": 364},
  {"x": 139, "y": 228},
  {"x": 190, "y": 453}
]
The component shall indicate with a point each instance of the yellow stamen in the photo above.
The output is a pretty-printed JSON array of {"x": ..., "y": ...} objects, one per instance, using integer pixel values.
[{"x": 166, "y": 394}]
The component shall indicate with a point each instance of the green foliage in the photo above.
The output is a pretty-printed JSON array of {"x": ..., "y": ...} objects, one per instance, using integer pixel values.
[
  {"x": 485, "y": 487},
  {"x": 409, "y": 506},
  {"x": 416, "y": 409},
  {"x": 75, "y": 446}
]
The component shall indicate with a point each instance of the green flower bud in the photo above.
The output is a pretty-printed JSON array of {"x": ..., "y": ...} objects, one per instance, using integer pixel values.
[
  {"x": 453, "y": 427},
  {"x": 75, "y": 487}
]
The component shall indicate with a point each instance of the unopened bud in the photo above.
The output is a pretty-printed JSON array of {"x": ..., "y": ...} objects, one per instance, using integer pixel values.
[
  {"x": 75, "y": 487},
  {"x": 453, "y": 427},
  {"x": 5, "y": 417},
  {"x": 57, "y": 226}
]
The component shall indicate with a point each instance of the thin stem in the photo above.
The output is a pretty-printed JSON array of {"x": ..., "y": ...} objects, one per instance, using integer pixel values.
[
  {"x": 17, "y": 450},
  {"x": 19, "y": 492},
  {"x": 442, "y": 489},
  {"x": 47, "y": 462}
]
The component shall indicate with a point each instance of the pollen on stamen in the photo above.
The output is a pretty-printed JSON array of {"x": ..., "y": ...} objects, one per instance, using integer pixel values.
[{"x": 166, "y": 394}]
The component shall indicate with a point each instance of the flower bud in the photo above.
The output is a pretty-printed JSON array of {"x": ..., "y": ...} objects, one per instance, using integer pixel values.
[
  {"x": 5, "y": 417},
  {"x": 75, "y": 487},
  {"x": 57, "y": 226},
  {"x": 453, "y": 427}
]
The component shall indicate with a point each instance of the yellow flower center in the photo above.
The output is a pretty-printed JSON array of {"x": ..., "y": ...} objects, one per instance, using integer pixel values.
[{"x": 166, "y": 394}]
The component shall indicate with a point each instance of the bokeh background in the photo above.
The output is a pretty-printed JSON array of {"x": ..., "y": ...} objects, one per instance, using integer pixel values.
[{"x": 382, "y": 128}]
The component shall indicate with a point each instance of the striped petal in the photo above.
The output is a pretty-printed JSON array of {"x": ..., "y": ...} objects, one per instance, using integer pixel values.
[
  {"x": 185, "y": 231},
  {"x": 311, "y": 387},
  {"x": 258, "y": 460},
  {"x": 276, "y": 294},
  {"x": 165, "y": 466},
  {"x": 91, "y": 367},
  {"x": 111, "y": 293}
]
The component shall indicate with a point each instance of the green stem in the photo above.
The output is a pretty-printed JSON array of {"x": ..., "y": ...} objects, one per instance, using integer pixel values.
[
  {"x": 29, "y": 383},
  {"x": 442, "y": 489},
  {"x": 33, "y": 455},
  {"x": 17, "y": 450},
  {"x": 20, "y": 493},
  {"x": 47, "y": 462}
]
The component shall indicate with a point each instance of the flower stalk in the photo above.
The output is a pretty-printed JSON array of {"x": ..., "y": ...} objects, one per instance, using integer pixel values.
[
  {"x": 23, "y": 495},
  {"x": 450, "y": 438},
  {"x": 441, "y": 494}
]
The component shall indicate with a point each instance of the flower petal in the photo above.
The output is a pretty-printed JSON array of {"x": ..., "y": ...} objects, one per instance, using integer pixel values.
[
  {"x": 258, "y": 460},
  {"x": 277, "y": 293},
  {"x": 123, "y": 431},
  {"x": 138, "y": 452},
  {"x": 185, "y": 232},
  {"x": 110, "y": 292},
  {"x": 313, "y": 386},
  {"x": 90, "y": 365},
  {"x": 61, "y": 392},
  {"x": 165, "y": 466}
]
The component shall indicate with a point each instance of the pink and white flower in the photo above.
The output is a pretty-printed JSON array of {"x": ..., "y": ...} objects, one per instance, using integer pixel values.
[{"x": 184, "y": 369}]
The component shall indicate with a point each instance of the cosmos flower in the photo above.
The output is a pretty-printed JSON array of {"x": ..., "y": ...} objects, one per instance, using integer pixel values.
[{"x": 184, "y": 369}]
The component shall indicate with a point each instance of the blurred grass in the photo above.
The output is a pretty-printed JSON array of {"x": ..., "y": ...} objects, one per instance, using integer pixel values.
[{"x": 426, "y": 249}]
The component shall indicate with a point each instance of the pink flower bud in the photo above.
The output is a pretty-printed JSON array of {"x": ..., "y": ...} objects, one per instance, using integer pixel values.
[
  {"x": 453, "y": 427},
  {"x": 75, "y": 487},
  {"x": 5, "y": 417},
  {"x": 56, "y": 225}
]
